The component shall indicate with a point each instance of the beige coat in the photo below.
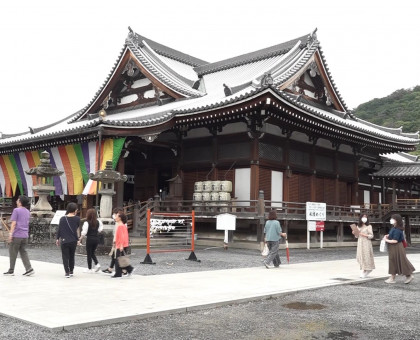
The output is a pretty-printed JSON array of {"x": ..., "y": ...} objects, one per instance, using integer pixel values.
[{"x": 364, "y": 249}]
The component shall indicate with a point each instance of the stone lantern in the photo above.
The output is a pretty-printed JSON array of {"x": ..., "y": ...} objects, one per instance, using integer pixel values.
[
  {"x": 107, "y": 177},
  {"x": 44, "y": 173}
]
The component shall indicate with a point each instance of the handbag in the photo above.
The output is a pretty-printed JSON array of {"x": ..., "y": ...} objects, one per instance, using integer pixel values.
[
  {"x": 383, "y": 247},
  {"x": 123, "y": 261},
  {"x": 265, "y": 250},
  {"x": 404, "y": 242}
]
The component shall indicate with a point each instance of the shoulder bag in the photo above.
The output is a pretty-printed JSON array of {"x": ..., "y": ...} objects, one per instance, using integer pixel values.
[{"x": 71, "y": 230}]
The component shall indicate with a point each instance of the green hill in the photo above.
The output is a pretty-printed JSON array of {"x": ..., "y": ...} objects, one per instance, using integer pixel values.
[{"x": 401, "y": 108}]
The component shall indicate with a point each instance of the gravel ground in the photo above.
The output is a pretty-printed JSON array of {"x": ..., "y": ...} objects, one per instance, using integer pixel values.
[{"x": 372, "y": 310}]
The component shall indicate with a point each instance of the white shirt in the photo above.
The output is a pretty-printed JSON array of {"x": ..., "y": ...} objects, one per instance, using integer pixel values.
[{"x": 85, "y": 227}]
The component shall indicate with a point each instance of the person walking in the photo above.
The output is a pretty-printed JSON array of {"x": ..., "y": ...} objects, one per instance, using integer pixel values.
[
  {"x": 110, "y": 269},
  {"x": 273, "y": 232},
  {"x": 121, "y": 244},
  {"x": 364, "y": 254},
  {"x": 91, "y": 229},
  {"x": 18, "y": 237},
  {"x": 67, "y": 237},
  {"x": 397, "y": 258}
]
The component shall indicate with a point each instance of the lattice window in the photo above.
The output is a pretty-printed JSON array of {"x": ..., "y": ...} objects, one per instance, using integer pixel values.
[
  {"x": 299, "y": 158},
  {"x": 234, "y": 150},
  {"x": 345, "y": 168},
  {"x": 271, "y": 152},
  {"x": 198, "y": 153},
  {"x": 324, "y": 163}
]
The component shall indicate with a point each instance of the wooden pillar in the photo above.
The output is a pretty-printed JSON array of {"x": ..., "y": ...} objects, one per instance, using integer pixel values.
[
  {"x": 372, "y": 192},
  {"x": 313, "y": 175},
  {"x": 119, "y": 186},
  {"x": 337, "y": 183},
  {"x": 340, "y": 232},
  {"x": 355, "y": 184},
  {"x": 394, "y": 194},
  {"x": 407, "y": 230},
  {"x": 287, "y": 173},
  {"x": 214, "y": 174},
  {"x": 255, "y": 170}
]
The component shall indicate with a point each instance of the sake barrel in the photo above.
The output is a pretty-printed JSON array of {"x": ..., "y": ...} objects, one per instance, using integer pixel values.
[
  {"x": 224, "y": 196},
  {"x": 215, "y": 185},
  {"x": 214, "y": 197},
  {"x": 198, "y": 186},
  {"x": 197, "y": 196},
  {"x": 207, "y": 186},
  {"x": 206, "y": 196},
  {"x": 226, "y": 186}
]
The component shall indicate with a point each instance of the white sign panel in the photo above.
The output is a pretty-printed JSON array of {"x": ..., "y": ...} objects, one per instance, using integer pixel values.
[
  {"x": 57, "y": 216},
  {"x": 316, "y": 211},
  {"x": 226, "y": 222}
]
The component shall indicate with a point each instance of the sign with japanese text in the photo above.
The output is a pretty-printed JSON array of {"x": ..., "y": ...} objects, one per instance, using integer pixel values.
[{"x": 316, "y": 211}]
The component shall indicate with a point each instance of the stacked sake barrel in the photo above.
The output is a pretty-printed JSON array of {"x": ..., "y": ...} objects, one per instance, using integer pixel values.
[{"x": 211, "y": 192}]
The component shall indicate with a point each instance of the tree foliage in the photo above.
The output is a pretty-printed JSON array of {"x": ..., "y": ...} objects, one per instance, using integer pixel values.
[{"x": 399, "y": 109}]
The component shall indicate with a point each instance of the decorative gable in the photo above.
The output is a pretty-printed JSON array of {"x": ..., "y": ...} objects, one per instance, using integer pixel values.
[
  {"x": 130, "y": 87},
  {"x": 315, "y": 86}
]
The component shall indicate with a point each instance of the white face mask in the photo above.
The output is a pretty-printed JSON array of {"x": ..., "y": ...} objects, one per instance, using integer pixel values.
[
  {"x": 113, "y": 216},
  {"x": 364, "y": 219},
  {"x": 392, "y": 221}
]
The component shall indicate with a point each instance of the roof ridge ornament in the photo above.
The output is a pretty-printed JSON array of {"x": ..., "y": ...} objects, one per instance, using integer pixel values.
[
  {"x": 267, "y": 79},
  {"x": 312, "y": 38},
  {"x": 133, "y": 38}
]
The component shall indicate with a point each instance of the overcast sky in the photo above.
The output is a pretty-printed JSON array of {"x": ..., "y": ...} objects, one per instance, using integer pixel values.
[{"x": 56, "y": 54}]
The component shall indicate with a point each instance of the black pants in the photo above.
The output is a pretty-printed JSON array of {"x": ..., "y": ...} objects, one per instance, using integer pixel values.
[
  {"x": 91, "y": 245},
  {"x": 118, "y": 269},
  {"x": 68, "y": 250}
]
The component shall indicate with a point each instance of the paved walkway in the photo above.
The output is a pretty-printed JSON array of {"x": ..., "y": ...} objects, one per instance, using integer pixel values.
[{"x": 52, "y": 301}]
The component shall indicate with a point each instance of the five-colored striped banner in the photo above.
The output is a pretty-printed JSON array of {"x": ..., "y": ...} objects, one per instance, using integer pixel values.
[{"x": 76, "y": 160}]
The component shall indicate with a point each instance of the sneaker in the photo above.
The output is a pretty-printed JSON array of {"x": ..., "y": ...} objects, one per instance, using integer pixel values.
[
  {"x": 116, "y": 277},
  {"x": 9, "y": 273},
  {"x": 67, "y": 275},
  {"x": 367, "y": 273},
  {"x": 125, "y": 274},
  {"x": 97, "y": 267},
  {"x": 71, "y": 274},
  {"x": 390, "y": 280},
  {"x": 107, "y": 271},
  {"x": 409, "y": 279},
  {"x": 268, "y": 266},
  {"x": 87, "y": 270},
  {"x": 29, "y": 272}
]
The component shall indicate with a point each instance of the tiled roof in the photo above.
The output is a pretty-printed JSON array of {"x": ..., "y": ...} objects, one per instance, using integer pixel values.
[
  {"x": 399, "y": 170},
  {"x": 243, "y": 75},
  {"x": 401, "y": 157},
  {"x": 252, "y": 57}
]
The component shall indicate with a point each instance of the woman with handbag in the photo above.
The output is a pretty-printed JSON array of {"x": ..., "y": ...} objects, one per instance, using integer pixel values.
[
  {"x": 91, "y": 229},
  {"x": 121, "y": 246},
  {"x": 397, "y": 258},
  {"x": 67, "y": 237},
  {"x": 364, "y": 254},
  {"x": 273, "y": 232}
]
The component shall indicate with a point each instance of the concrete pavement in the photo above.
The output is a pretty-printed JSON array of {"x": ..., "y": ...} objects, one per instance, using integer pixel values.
[{"x": 52, "y": 301}]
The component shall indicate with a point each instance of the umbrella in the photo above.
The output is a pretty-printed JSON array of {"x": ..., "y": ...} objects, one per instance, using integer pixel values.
[{"x": 287, "y": 252}]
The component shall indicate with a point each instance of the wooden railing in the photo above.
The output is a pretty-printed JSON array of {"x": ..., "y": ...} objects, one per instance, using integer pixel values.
[{"x": 259, "y": 209}]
